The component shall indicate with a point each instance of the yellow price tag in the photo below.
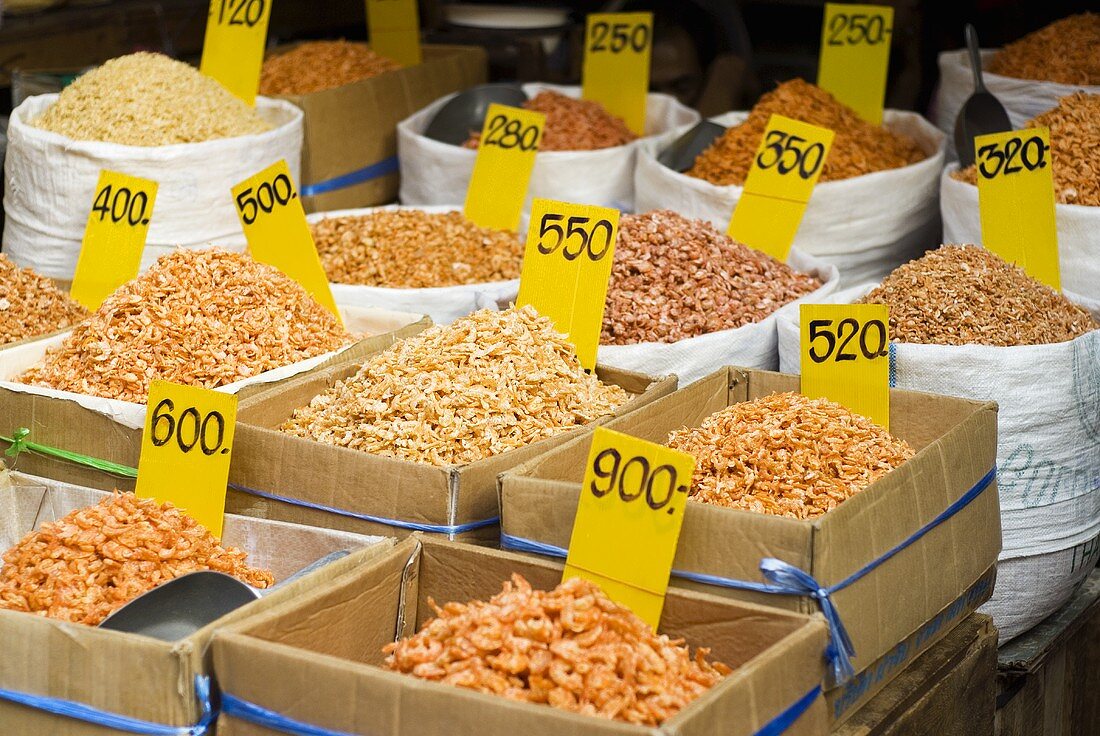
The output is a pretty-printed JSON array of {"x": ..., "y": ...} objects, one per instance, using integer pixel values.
[
  {"x": 185, "y": 450},
  {"x": 855, "y": 56},
  {"x": 846, "y": 357},
  {"x": 779, "y": 184},
  {"x": 275, "y": 226},
  {"x": 1016, "y": 199},
  {"x": 394, "y": 27},
  {"x": 566, "y": 267},
  {"x": 628, "y": 520},
  {"x": 233, "y": 48},
  {"x": 615, "y": 71},
  {"x": 110, "y": 254},
  {"x": 505, "y": 157}
]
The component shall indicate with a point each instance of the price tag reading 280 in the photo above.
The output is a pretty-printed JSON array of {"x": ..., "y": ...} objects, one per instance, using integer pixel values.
[
  {"x": 185, "y": 450},
  {"x": 615, "y": 71},
  {"x": 779, "y": 184},
  {"x": 628, "y": 519},
  {"x": 233, "y": 48},
  {"x": 566, "y": 267},
  {"x": 855, "y": 56},
  {"x": 1016, "y": 200},
  {"x": 505, "y": 157},
  {"x": 846, "y": 357}
]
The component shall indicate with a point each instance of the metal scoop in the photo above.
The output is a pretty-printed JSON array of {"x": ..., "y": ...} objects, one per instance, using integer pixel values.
[
  {"x": 681, "y": 154},
  {"x": 465, "y": 112},
  {"x": 178, "y": 608},
  {"x": 982, "y": 113}
]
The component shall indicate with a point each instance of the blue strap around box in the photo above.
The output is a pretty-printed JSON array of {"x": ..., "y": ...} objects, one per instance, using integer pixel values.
[
  {"x": 782, "y": 578},
  {"x": 126, "y": 724},
  {"x": 385, "y": 167}
]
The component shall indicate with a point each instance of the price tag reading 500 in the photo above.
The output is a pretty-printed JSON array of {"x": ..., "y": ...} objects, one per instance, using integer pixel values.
[
  {"x": 628, "y": 519},
  {"x": 616, "y": 64},
  {"x": 233, "y": 48},
  {"x": 505, "y": 157}
]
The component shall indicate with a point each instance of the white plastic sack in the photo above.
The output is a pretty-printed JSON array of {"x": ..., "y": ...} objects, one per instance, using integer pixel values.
[
  {"x": 1048, "y": 448},
  {"x": 866, "y": 226},
  {"x": 439, "y": 173},
  {"x": 1023, "y": 99},
  {"x": 750, "y": 346},
  {"x": 50, "y": 181},
  {"x": 1078, "y": 237}
]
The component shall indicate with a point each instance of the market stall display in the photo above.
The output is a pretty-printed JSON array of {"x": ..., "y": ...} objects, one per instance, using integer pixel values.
[
  {"x": 31, "y": 305},
  {"x": 314, "y": 66},
  {"x": 572, "y": 124}
]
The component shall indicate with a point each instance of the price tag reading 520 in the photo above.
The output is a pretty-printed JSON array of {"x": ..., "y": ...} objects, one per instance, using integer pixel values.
[{"x": 502, "y": 170}]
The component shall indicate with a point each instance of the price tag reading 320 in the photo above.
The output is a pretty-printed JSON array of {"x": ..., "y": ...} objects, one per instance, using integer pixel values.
[
  {"x": 1016, "y": 200},
  {"x": 505, "y": 157},
  {"x": 185, "y": 450},
  {"x": 855, "y": 56},
  {"x": 779, "y": 184},
  {"x": 846, "y": 357},
  {"x": 615, "y": 71},
  {"x": 233, "y": 48},
  {"x": 628, "y": 520}
]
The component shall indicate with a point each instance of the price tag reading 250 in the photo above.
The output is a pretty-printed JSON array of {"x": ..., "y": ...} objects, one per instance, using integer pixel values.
[
  {"x": 233, "y": 48},
  {"x": 185, "y": 450},
  {"x": 855, "y": 56},
  {"x": 505, "y": 157},
  {"x": 615, "y": 72},
  {"x": 628, "y": 519}
]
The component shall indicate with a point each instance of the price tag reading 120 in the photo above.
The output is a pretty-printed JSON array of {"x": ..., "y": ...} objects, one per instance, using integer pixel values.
[
  {"x": 185, "y": 450},
  {"x": 275, "y": 225},
  {"x": 114, "y": 237},
  {"x": 1016, "y": 200},
  {"x": 628, "y": 520},
  {"x": 394, "y": 27},
  {"x": 855, "y": 56},
  {"x": 566, "y": 267},
  {"x": 615, "y": 71},
  {"x": 846, "y": 357},
  {"x": 505, "y": 157},
  {"x": 779, "y": 184},
  {"x": 233, "y": 48}
]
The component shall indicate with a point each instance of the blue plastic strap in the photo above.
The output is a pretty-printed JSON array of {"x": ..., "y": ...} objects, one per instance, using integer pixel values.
[
  {"x": 88, "y": 714},
  {"x": 258, "y": 715},
  {"x": 786, "y": 719},
  {"x": 384, "y": 167}
]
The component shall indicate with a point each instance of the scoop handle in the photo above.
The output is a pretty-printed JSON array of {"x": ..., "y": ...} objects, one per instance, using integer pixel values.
[
  {"x": 975, "y": 57},
  {"x": 312, "y": 567}
]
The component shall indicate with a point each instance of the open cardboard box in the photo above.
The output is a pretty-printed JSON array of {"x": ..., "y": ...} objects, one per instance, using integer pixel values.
[
  {"x": 129, "y": 674},
  {"x": 327, "y": 648},
  {"x": 895, "y": 611},
  {"x": 317, "y": 481}
]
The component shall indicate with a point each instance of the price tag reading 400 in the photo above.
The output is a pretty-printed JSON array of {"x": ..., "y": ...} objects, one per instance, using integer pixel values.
[
  {"x": 114, "y": 237},
  {"x": 233, "y": 48},
  {"x": 855, "y": 56},
  {"x": 185, "y": 450},
  {"x": 566, "y": 267},
  {"x": 277, "y": 232},
  {"x": 615, "y": 71},
  {"x": 628, "y": 520},
  {"x": 846, "y": 357},
  {"x": 505, "y": 157},
  {"x": 1016, "y": 201}
]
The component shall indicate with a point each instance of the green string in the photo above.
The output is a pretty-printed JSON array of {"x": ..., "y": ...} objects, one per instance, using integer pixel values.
[{"x": 19, "y": 443}]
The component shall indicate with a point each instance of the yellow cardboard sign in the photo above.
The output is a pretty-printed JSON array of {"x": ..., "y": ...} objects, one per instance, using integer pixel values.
[
  {"x": 1016, "y": 199},
  {"x": 275, "y": 226},
  {"x": 185, "y": 450},
  {"x": 233, "y": 48},
  {"x": 505, "y": 157},
  {"x": 855, "y": 56},
  {"x": 394, "y": 27},
  {"x": 779, "y": 184},
  {"x": 846, "y": 357},
  {"x": 566, "y": 267},
  {"x": 628, "y": 520},
  {"x": 110, "y": 254},
  {"x": 615, "y": 71}
]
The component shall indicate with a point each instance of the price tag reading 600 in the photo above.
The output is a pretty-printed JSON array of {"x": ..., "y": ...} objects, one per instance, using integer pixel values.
[{"x": 502, "y": 170}]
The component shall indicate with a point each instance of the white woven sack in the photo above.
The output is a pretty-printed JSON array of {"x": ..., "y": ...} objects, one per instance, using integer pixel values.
[
  {"x": 1078, "y": 237},
  {"x": 1023, "y": 98},
  {"x": 750, "y": 346},
  {"x": 866, "y": 226},
  {"x": 433, "y": 172},
  {"x": 50, "y": 181}
]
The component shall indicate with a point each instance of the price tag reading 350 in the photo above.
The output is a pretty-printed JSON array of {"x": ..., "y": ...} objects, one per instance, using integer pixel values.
[
  {"x": 566, "y": 267},
  {"x": 185, "y": 450},
  {"x": 615, "y": 71},
  {"x": 114, "y": 237},
  {"x": 1016, "y": 200},
  {"x": 505, "y": 157},
  {"x": 275, "y": 225},
  {"x": 628, "y": 520},
  {"x": 779, "y": 184},
  {"x": 233, "y": 48},
  {"x": 846, "y": 357},
  {"x": 855, "y": 56}
]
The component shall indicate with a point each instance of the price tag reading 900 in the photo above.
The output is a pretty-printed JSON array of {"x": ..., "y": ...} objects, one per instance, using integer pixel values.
[{"x": 635, "y": 479}]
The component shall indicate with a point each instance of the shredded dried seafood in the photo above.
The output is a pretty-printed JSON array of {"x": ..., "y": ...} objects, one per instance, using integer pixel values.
[
  {"x": 572, "y": 648},
  {"x": 573, "y": 124},
  {"x": 1064, "y": 51},
  {"x": 31, "y": 306},
  {"x": 319, "y": 65}
]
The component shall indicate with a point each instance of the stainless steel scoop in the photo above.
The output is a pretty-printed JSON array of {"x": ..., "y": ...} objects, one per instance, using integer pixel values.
[{"x": 465, "y": 112}]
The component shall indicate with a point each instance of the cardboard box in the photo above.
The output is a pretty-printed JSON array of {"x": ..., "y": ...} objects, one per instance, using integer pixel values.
[
  {"x": 327, "y": 648},
  {"x": 461, "y": 498},
  {"x": 128, "y": 674},
  {"x": 349, "y": 156},
  {"x": 896, "y": 610}
]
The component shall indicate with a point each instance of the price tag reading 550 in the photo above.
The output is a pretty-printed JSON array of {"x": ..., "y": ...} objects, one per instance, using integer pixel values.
[
  {"x": 185, "y": 450},
  {"x": 628, "y": 519}
]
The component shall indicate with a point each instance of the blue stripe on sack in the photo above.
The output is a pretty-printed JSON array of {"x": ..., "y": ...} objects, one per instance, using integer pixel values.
[{"x": 384, "y": 167}]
